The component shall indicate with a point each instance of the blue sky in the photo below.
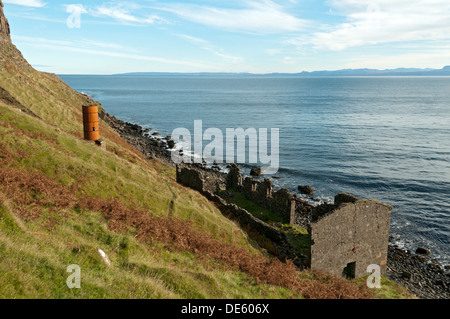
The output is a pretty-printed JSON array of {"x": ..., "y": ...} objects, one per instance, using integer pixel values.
[{"x": 257, "y": 36}]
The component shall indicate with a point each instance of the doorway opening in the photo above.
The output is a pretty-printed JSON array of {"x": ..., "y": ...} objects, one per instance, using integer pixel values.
[{"x": 350, "y": 271}]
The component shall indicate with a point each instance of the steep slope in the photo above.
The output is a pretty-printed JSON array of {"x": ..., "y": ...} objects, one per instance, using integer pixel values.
[{"x": 62, "y": 199}]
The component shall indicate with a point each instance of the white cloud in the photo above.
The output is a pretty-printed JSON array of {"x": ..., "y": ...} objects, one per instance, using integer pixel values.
[
  {"x": 26, "y": 3},
  {"x": 86, "y": 47},
  {"x": 257, "y": 17},
  {"x": 430, "y": 59},
  {"x": 384, "y": 21},
  {"x": 108, "y": 45},
  {"x": 273, "y": 52},
  {"x": 121, "y": 12},
  {"x": 289, "y": 60},
  {"x": 206, "y": 45}
]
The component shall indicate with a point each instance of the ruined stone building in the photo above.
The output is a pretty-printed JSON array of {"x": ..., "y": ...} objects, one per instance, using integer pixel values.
[
  {"x": 280, "y": 202},
  {"x": 349, "y": 236},
  {"x": 199, "y": 179},
  {"x": 346, "y": 237}
]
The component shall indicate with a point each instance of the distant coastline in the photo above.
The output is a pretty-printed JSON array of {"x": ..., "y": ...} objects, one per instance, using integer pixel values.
[{"x": 445, "y": 71}]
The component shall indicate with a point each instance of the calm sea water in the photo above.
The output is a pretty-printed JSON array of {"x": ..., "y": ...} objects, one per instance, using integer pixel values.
[{"x": 383, "y": 138}]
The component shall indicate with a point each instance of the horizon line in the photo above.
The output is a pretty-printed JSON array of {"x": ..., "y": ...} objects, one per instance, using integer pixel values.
[{"x": 402, "y": 71}]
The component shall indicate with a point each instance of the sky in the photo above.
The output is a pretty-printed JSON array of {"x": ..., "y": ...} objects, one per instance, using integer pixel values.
[{"x": 255, "y": 36}]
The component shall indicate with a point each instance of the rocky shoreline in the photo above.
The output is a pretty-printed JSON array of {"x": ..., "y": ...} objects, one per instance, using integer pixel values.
[
  {"x": 151, "y": 145},
  {"x": 421, "y": 275},
  {"x": 424, "y": 277}
]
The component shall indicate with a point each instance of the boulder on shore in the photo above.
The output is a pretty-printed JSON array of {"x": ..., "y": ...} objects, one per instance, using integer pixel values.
[
  {"x": 171, "y": 144},
  {"x": 344, "y": 198},
  {"x": 305, "y": 189},
  {"x": 422, "y": 251},
  {"x": 256, "y": 172}
]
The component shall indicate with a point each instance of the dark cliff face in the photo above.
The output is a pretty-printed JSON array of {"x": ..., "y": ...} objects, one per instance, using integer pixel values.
[
  {"x": 9, "y": 55},
  {"x": 4, "y": 25}
]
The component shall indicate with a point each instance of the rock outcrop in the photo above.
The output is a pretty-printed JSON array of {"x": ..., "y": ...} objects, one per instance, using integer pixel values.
[
  {"x": 10, "y": 56},
  {"x": 305, "y": 189},
  {"x": 256, "y": 172},
  {"x": 4, "y": 25}
]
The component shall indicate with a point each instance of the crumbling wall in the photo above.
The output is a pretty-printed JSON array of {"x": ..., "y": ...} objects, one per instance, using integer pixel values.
[
  {"x": 247, "y": 219},
  {"x": 199, "y": 179},
  {"x": 350, "y": 235},
  {"x": 234, "y": 178},
  {"x": 302, "y": 215},
  {"x": 280, "y": 202},
  {"x": 258, "y": 192},
  {"x": 190, "y": 178},
  {"x": 208, "y": 184}
]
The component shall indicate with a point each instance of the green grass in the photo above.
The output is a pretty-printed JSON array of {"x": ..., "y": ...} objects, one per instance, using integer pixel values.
[
  {"x": 388, "y": 290},
  {"x": 297, "y": 235},
  {"x": 37, "y": 261},
  {"x": 105, "y": 175},
  {"x": 299, "y": 238},
  {"x": 262, "y": 213}
]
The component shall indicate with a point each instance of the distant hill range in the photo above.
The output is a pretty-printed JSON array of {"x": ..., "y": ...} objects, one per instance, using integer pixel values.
[
  {"x": 445, "y": 71},
  {"x": 388, "y": 72}
]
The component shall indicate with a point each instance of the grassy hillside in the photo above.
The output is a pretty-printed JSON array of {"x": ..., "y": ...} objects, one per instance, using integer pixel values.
[{"x": 62, "y": 199}]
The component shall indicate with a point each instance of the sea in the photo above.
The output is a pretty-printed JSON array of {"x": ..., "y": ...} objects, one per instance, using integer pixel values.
[{"x": 383, "y": 138}]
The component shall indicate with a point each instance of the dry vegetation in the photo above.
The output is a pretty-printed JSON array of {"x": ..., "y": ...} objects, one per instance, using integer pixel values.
[{"x": 33, "y": 192}]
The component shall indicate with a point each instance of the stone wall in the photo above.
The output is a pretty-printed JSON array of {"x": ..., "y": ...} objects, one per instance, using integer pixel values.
[
  {"x": 280, "y": 202},
  {"x": 350, "y": 235},
  {"x": 208, "y": 183},
  {"x": 247, "y": 219},
  {"x": 199, "y": 179},
  {"x": 302, "y": 215},
  {"x": 234, "y": 178}
]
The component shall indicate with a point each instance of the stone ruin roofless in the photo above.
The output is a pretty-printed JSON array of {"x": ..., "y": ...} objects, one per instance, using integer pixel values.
[
  {"x": 346, "y": 237},
  {"x": 280, "y": 202},
  {"x": 349, "y": 235}
]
